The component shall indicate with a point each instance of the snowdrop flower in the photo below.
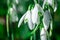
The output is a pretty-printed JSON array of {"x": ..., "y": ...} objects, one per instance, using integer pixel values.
[
  {"x": 52, "y": 3},
  {"x": 49, "y": 2},
  {"x": 46, "y": 19},
  {"x": 32, "y": 17},
  {"x": 35, "y": 17},
  {"x": 27, "y": 16},
  {"x": 29, "y": 19},
  {"x": 13, "y": 15},
  {"x": 35, "y": 14},
  {"x": 43, "y": 34}
]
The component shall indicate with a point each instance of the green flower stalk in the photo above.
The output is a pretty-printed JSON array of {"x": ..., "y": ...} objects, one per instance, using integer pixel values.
[
  {"x": 7, "y": 20},
  {"x": 12, "y": 13},
  {"x": 27, "y": 18},
  {"x": 7, "y": 25}
]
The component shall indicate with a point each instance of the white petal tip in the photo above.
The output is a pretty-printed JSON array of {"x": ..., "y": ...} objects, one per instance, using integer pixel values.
[{"x": 18, "y": 26}]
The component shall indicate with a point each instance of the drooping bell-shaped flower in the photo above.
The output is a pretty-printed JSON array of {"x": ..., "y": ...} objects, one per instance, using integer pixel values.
[
  {"x": 52, "y": 3},
  {"x": 46, "y": 19},
  {"x": 48, "y": 2},
  {"x": 27, "y": 18},
  {"x": 35, "y": 16},
  {"x": 13, "y": 15}
]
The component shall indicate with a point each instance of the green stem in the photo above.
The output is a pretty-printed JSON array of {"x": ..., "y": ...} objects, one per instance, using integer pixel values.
[
  {"x": 34, "y": 30},
  {"x": 51, "y": 27},
  {"x": 31, "y": 38},
  {"x": 34, "y": 35},
  {"x": 35, "y": 1},
  {"x": 7, "y": 25}
]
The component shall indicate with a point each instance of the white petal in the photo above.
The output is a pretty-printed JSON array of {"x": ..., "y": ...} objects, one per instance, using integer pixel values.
[
  {"x": 29, "y": 17},
  {"x": 46, "y": 20},
  {"x": 50, "y": 2},
  {"x": 21, "y": 20},
  {"x": 11, "y": 10},
  {"x": 17, "y": 1},
  {"x": 43, "y": 34},
  {"x": 35, "y": 14},
  {"x": 14, "y": 7},
  {"x": 40, "y": 9},
  {"x": 55, "y": 8},
  {"x": 44, "y": 4},
  {"x": 43, "y": 37}
]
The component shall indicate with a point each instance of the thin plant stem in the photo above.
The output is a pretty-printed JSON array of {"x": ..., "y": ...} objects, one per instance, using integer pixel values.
[
  {"x": 34, "y": 30},
  {"x": 31, "y": 37},
  {"x": 7, "y": 20},
  {"x": 34, "y": 35},
  {"x": 7, "y": 25}
]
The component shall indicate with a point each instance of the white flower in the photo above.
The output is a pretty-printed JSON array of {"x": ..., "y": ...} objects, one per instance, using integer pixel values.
[
  {"x": 27, "y": 16},
  {"x": 49, "y": 2},
  {"x": 46, "y": 19},
  {"x": 52, "y": 3},
  {"x": 35, "y": 16},
  {"x": 43, "y": 35},
  {"x": 32, "y": 17},
  {"x": 13, "y": 15},
  {"x": 29, "y": 19}
]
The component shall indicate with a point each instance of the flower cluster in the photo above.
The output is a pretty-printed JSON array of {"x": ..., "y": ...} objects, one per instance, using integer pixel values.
[{"x": 32, "y": 16}]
